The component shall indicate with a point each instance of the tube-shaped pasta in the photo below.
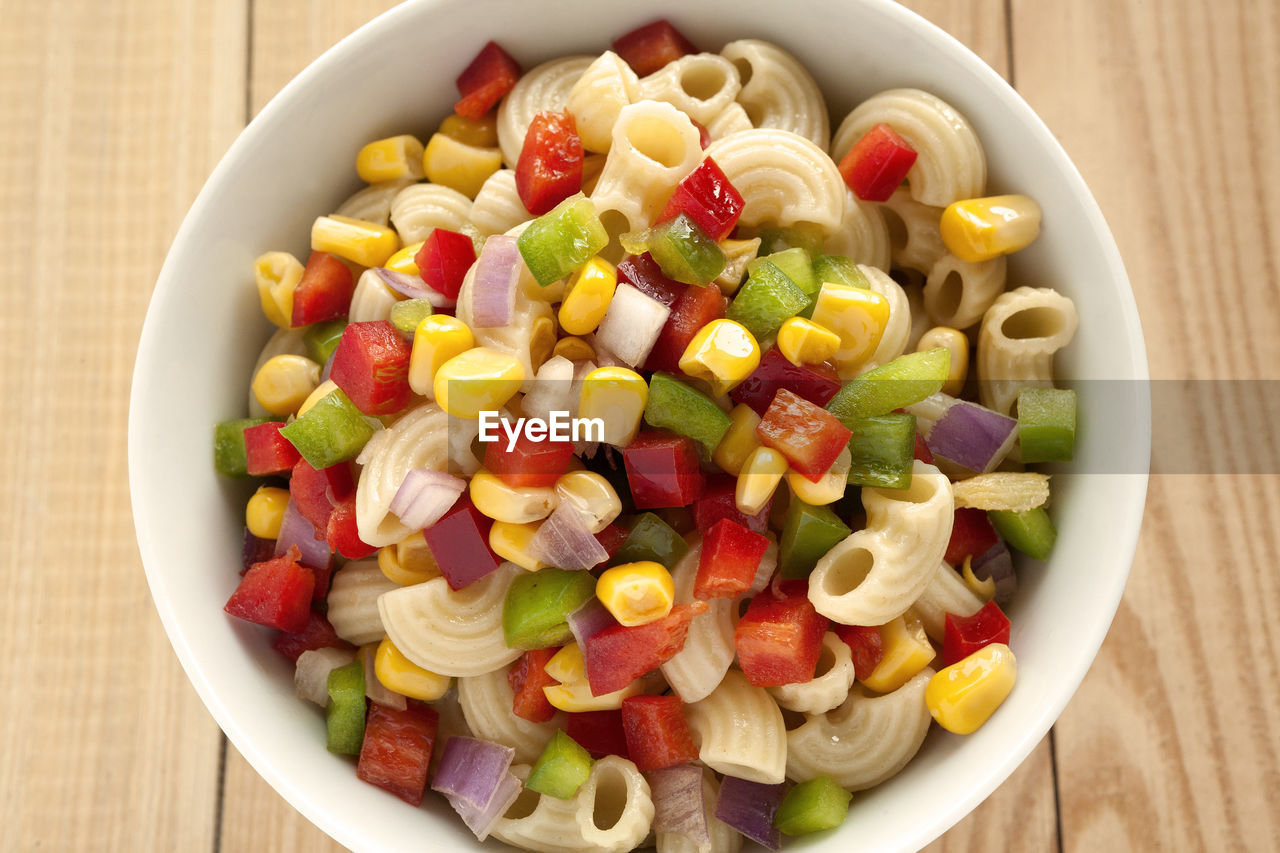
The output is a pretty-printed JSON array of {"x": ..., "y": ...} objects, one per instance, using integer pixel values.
[
  {"x": 957, "y": 293},
  {"x": 497, "y": 207},
  {"x": 605, "y": 87},
  {"x": 373, "y": 203},
  {"x": 777, "y": 91},
  {"x": 830, "y": 684},
  {"x": 950, "y": 165},
  {"x": 281, "y": 342},
  {"x": 353, "y": 601},
  {"x": 723, "y": 838},
  {"x": 866, "y": 740},
  {"x": 874, "y": 574},
  {"x": 702, "y": 85},
  {"x": 610, "y": 813},
  {"x": 708, "y": 648},
  {"x": 783, "y": 177},
  {"x": 915, "y": 241},
  {"x": 420, "y": 208},
  {"x": 946, "y": 593},
  {"x": 897, "y": 332},
  {"x": 371, "y": 299},
  {"x": 419, "y": 439},
  {"x": 451, "y": 633},
  {"x": 740, "y": 731},
  {"x": 544, "y": 88},
  {"x": 486, "y": 702},
  {"x": 862, "y": 234},
  {"x": 1020, "y": 333},
  {"x": 920, "y": 319},
  {"x": 731, "y": 119}
]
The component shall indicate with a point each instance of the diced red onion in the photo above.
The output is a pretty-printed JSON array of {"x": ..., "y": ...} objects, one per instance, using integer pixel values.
[
  {"x": 413, "y": 287},
  {"x": 493, "y": 292},
  {"x": 255, "y": 550},
  {"x": 373, "y": 688},
  {"x": 311, "y": 675},
  {"x": 972, "y": 436},
  {"x": 552, "y": 390},
  {"x": 997, "y": 564},
  {"x": 474, "y": 775},
  {"x": 565, "y": 541},
  {"x": 750, "y": 807},
  {"x": 480, "y": 821},
  {"x": 678, "y": 806},
  {"x": 424, "y": 496},
  {"x": 590, "y": 619},
  {"x": 296, "y": 530},
  {"x": 632, "y": 325}
]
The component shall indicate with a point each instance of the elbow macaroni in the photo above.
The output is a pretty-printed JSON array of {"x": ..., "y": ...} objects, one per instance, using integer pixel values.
[
  {"x": 699, "y": 667},
  {"x": 419, "y": 439},
  {"x": 778, "y": 92},
  {"x": 1020, "y": 333},
  {"x": 701, "y": 85},
  {"x": 862, "y": 235},
  {"x": 353, "y": 601},
  {"x": 946, "y": 593},
  {"x": 597, "y": 98},
  {"x": 419, "y": 209},
  {"x": 545, "y": 88},
  {"x": 783, "y": 177},
  {"x": 372, "y": 299},
  {"x": 829, "y": 686},
  {"x": 739, "y": 731},
  {"x": 486, "y": 702},
  {"x": 957, "y": 293},
  {"x": 373, "y": 203}
]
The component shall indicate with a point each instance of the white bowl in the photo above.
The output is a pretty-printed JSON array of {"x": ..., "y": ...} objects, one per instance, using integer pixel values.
[{"x": 294, "y": 161}]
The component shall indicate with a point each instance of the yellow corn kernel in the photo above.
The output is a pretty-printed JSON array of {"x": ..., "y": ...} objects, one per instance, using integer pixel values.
[
  {"x": 957, "y": 343},
  {"x": 404, "y": 260},
  {"x": 542, "y": 340},
  {"x": 591, "y": 495},
  {"x": 636, "y": 593},
  {"x": 857, "y": 316},
  {"x": 458, "y": 165},
  {"x": 511, "y": 542},
  {"x": 759, "y": 477},
  {"x": 437, "y": 339},
  {"x": 478, "y": 380},
  {"x": 285, "y": 382},
  {"x": 737, "y": 254},
  {"x": 482, "y": 132},
  {"x": 964, "y": 695},
  {"x": 390, "y": 159},
  {"x": 277, "y": 275},
  {"x": 265, "y": 511},
  {"x": 588, "y": 296},
  {"x": 805, "y": 342},
  {"x": 573, "y": 693},
  {"x": 324, "y": 389},
  {"x": 574, "y": 349},
  {"x": 829, "y": 488},
  {"x": 979, "y": 229},
  {"x": 906, "y": 651},
  {"x": 501, "y": 501},
  {"x": 739, "y": 440},
  {"x": 365, "y": 243},
  {"x": 409, "y": 561},
  {"x": 722, "y": 352},
  {"x": 400, "y": 675},
  {"x": 617, "y": 396},
  {"x": 984, "y": 589}
]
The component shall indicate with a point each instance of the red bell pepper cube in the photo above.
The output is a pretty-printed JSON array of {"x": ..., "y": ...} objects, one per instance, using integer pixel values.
[
  {"x": 444, "y": 259},
  {"x": 316, "y": 634},
  {"x": 719, "y": 500},
  {"x": 490, "y": 76},
  {"x": 817, "y": 383},
  {"x": 528, "y": 462},
  {"x": 922, "y": 451},
  {"x": 342, "y": 535},
  {"x": 600, "y": 733},
  {"x": 695, "y": 308},
  {"x": 648, "y": 48},
  {"x": 779, "y": 639},
  {"x": 275, "y": 593},
  {"x": 619, "y": 655},
  {"x": 971, "y": 536},
  {"x": 643, "y": 273},
  {"x": 612, "y": 538},
  {"x": 459, "y": 542},
  {"x": 708, "y": 198},
  {"x": 657, "y": 732},
  {"x": 865, "y": 645},
  {"x": 527, "y": 676},
  {"x": 397, "y": 749},
  {"x": 316, "y": 491},
  {"x": 877, "y": 164},
  {"x": 371, "y": 366},
  {"x": 729, "y": 560},
  {"x": 550, "y": 166},
  {"x": 324, "y": 291},
  {"x": 267, "y": 452},
  {"x": 662, "y": 470},
  {"x": 254, "y": 549},
  {"x": 964, "y": 635},
  {"x": 809, "y": 436}
]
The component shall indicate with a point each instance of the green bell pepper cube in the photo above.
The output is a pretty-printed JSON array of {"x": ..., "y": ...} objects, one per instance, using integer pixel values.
[
  {"x": 801, "y": 235},
  {"x": 795, "y": 265},
  {"x": 839, "y": 269},
  {"x": 767, "y": 299},
  {"x": 883, "y": 449},
  {"x": 653, "y": 539},
  {"x": 321, "y": 339},
  {"x": 406, "y": 315},
  {"x": 560, "y": 241},
  {"x": 685, "y": 410},
  {"x": 684, "y": 251},
  {"x": 812, "y": 807},
  {"x": 331, "y": 431},
  {"x": 1030, "y": 532},
  {"x": 228, "y": 446},
  {"x": 906, "y": 380},
  {"x": 561, "y": 768},
  {"x": 1046, "y": 424},
  {"x": 344, "y": 716},
  {"x": 808, "y": 533},
  {"x": 536, "y": 612}
]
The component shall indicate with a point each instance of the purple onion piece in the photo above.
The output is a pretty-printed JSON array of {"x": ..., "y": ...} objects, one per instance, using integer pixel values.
[
  {"x": 413, "y": 287},
  {"x": 481, "y": 820},
  {"x": 424, "y": 496},
  {"x": 678, "y": 805},
  {"x": 972, "y": 436},
  {"x": 493, "y": 291},
  {"x": 590, "y": 619},
  {"x": 471, "y": 770},
  {"x": 565, "y": 541},
  {"x": 997, "y": 564},
  {"x": 750, "y": 807},
  {"x": 296, "y": 530},
  {"x": 255, "y": 550}
]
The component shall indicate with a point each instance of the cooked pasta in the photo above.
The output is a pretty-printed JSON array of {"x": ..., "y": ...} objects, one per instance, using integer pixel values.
[
  {"x": 731, "y": 119},
  {"x": 830, "y": 684},
  {"x": 950, "y": 165},
  {"x": 447, "y": 632},
  {"x": 946, "y": 593},
  {"x": 915, "y": 242},
  {"x": 920, "y": 318},
  {"x": 281, "y": 342},
  {"x": 420, "y": 208},
  {"x": 722, "y": 837},
  {"x": 1020, "y": 333},
  {"x": 497, "y": 207},
  {"x": 862, "y": 234},
  {"x": 784, "y": 178},
  {"x": 866, "y": 740},
  {"x": 702, "y": 85},
  {"x": 372, "y": 299},
  {"x": 417, "y": 440},
  {"x": 486, "y": 702},
  {"x": 373, "y": 203},
  {"x": 698, "y": 668},
  {"x": 353, "y": 601},
  {"x": 777, "y": 91},
  {"x": 957, "y": 293},
  {"x": 606, "y": 86},
  {"x": 875, "y": 573},
  {"x": 897, "y": 332},
  {"x": 740, "y": 731},
  {"x": 544, "y": 88}
]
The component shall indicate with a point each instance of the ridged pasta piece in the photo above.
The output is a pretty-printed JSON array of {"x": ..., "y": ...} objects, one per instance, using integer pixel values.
[
  {"x": 897, "y": 332},
  {"x": 950, "y": 165},
  {"x": 531, "y": 333},
  {"x": 957, "y": 293},
  {"x": 371, "y": 299},
  {"x": 874, "y": 574},
  {"x": 740, "y": 731},
  {"x": 418, "y": 209},
  {"x": 731, "y": 119},
  {"x": 486, "y": 702},
  {"x": 447, "y": 632},
  {"x": 497, "y": 207},
  {"x": 829, "y": 686},
  {"x": 419, "y": 439},
  {"x": 701, "y": 85},
  {"x": 353, "y": 601},
  {"x": 544, "y": 88},
  {"x": 783, "y": 177},
  {"x": 373, "y": 203},
  {"x": 1020, "y": 333},
  {"x": 915, "y": 241},
  {"x": 605, "y": 87},
  {"x": 919, "y": 317},
  {"x": 611, "y": 813},
  {"x": 946, "y": 593},
  {"x": 866, "y": 740},
  {"x": 281, "y": 342},
  {"x": 708, "y": 648},
  {"x": 723, "y": 838},
  {"x": 862, "y": 234},
  {"x": 777, "y": 91}
]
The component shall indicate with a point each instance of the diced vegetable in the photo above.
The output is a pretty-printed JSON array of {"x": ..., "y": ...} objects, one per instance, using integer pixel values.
[
  {"x": 767, "y": 298},
  {"x": 528, "y": 463},
  {"x": 276, "y": 593},
  {"x": 905, "y": 380},
  {"x": 795, "y": 265},
  {"x": 723, "y": 354},
  {"x": 561, "y": 768},
  {"x": 817, "y": 383},
  {"x": 865, "y": 646},
  {"x": 662, "y": 470},
  {"x": 729, "y": 559},
  {"x": 396, "y": 749},
  {"x": 684, "y": 410},
  {"x": 478, "y": 380},
  {"x": 490, "y": 76},
  {"x": 550, "y": 166},
  {"x": 877, "y": 164},
  {"x": 964, "y": 635},
  {"x": 321, "y": 339},
  {"x": 316, "y": 491},
  {"x": 562, "y": 240},
  {"x": 475, "y": 777},
  {"x": 803, "y": 235},
  {"x": 564, "y": 539},
  {"x": 538, "y": 606},
  {"x": 657, "y": 732},
  {"x": 972, "y": 436},
  {"x": 997, "y": 565},
  {"x": 636, "y": 593},
  {"x": 964, "y": 695},
  {"x": 761, "y": 474},
  {"x": 652, "y": 539},
  {"x": 1046, "y": 424},
  {"x": 808, "y": 533},
  {"x": 586, "y": 302},
  {"x": 407, "y": 314},
  {"x": 444, "y": 259},
  {"x": 971, "y": 536},
  {"x": 813, "y": 806},
  {"x": 425, "y": 495},
  {"x": 632, "y": 325},
  {"x": 857, "y": 316},
  {"x": 459, "y": 543},
  {"x": 345, "y": 716},
  {"x": 906, "y": 651},
  {"x": 229, "y": 454},
  {"x": 707, "y": 197},
  {"x": 255, "y": 549},
  {"x": 342, "y": 534},
  {"x": 331, "y": 431},
  {"x": 779, "y": 638},
  {"x": 647, "y": 49},
  {"x": 267, "y": 452},
  {"x": 371, "y": 366},
  {"x": 682, "y": 250},
  {"x": 838, "y": 269},
  {"x": 643, "y": 273},
  {"x": 600, "y": 733},
  {"x": 527, "y": 676},
  {"x": 750, "y": 808},
  {"x": 1031, "y": 532},
  {"x": 808, "y": 435},
  {"x": 615, "y": 657},
  {"x": 679, "y": 807},
  {"x": 979, "y": 229},
  {"x": 883, "y": 449},
  {"x": 325, "y": 291},
  {"x": 692, "y": 310}
]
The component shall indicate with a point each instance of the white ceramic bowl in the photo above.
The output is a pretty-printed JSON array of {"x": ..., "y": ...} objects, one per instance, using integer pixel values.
[{"x": 294, "y": 161}]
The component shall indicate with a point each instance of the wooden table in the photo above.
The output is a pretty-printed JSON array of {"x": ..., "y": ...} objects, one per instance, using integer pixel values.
[{"x": 114, "y": 113}]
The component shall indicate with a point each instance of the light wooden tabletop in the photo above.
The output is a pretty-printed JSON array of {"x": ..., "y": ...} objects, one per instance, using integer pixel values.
[{"x": 112, "y": 115}]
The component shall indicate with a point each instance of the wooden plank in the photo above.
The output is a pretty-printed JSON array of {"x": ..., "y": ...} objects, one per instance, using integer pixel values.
[
  {"x": 1172, "y": 741},
  {"x": 114, "y": 115}
]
